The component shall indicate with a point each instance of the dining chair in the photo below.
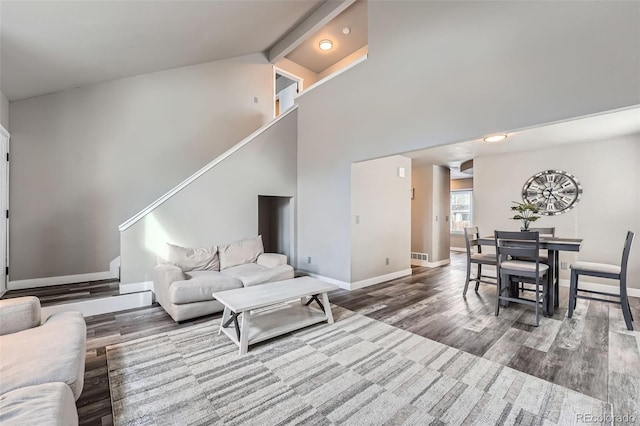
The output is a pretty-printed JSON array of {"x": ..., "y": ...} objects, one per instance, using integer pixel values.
[
  {"x": 511, "y": 246},
  {"x": 544, "y": 254},
  {"x": 471, "y": 236},
  {"x": 603, "y": 270}
]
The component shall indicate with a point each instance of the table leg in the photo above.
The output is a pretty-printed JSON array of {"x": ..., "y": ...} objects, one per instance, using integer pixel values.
[
  {"x": 225, "y": 317},
  {"x": 244, "y": 332},
  {"x": 551, "y": 284},
  {"x": 556, "y": 289},
  {"x": 327, "y": 308}
]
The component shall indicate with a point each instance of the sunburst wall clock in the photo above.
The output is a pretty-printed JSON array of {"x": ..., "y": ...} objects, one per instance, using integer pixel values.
[{"x": 553, "y": 191}]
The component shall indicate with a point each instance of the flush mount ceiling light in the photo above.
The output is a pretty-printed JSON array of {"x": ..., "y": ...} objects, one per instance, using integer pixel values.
[
  {"x": 325, "y": 44},
  {"x": 495, "y": 138}
]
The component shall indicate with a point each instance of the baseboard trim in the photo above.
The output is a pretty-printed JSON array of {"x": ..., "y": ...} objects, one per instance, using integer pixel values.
[
  {"x": 380, "y": 279},
  {"x": 418, "y": 262},
  {"x": 634, "y": 292},
  {"x": 462, "y": 249},
  {"x": 136, "y": 287},
  {"x": 102, "y": 306},
  {"x": 363, "y": 283},
  {"x": 342, "y": 284},
  {"x": 64, "y": 279},
  {"x": 438, "y": 263}
]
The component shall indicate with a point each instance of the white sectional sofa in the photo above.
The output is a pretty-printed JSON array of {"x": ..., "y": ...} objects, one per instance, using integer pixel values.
[
  {"x": 185, "y": 279},
  {"x": 41, "y": 365}
]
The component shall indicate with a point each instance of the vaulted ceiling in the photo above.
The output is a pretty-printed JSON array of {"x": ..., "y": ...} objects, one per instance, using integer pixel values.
[{"x": 50, "y": 46}]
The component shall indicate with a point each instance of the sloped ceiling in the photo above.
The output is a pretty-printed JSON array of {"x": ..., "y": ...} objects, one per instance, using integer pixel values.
[
  {"x": 309, "y": 55},
  {"x": 50, "y": 46}
]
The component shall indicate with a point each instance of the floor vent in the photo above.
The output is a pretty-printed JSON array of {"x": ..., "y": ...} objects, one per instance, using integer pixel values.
[{"x": 419, "y": 259}]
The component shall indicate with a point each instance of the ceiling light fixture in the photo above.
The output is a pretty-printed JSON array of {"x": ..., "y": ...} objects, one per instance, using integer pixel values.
[
  {"x": 325, "y": 44},
  {"x": 495, "y": 138},
  {"x": 346, "y": 30}
]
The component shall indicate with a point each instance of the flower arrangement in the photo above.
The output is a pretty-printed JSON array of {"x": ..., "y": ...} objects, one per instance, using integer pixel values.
[{"x": 526, "y": 213}]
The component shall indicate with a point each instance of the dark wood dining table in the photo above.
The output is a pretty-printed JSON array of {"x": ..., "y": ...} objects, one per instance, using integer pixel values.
[{"x": 554, "y": 245}]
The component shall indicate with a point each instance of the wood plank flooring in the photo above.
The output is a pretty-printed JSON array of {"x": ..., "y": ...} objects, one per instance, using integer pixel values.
[
  {"x": 592, "y": 353},
  {"x": 67, "y": 293}
]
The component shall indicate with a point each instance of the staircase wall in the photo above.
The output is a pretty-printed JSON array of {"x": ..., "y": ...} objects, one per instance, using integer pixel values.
[
  {"x": 85, "y": 160},
  {"x": 220, "y": 206}
]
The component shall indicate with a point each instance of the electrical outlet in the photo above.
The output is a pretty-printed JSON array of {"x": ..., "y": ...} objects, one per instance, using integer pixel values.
[
  {"x": 309, "y": 259},
  {"x": 386, "y": 261},
  {"x": 563, "y": 265},
  {"x": 357, "y": 218},
  {"x": 255, "y": 99}
]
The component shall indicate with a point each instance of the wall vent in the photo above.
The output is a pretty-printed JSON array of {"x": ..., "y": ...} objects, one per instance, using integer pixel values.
[{"x": 419, "y": 259}]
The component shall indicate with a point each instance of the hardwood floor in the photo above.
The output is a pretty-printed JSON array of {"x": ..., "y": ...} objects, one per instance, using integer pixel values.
[
  {"x": 57, "y": 294},
  {"x": 592, "y": 353}
]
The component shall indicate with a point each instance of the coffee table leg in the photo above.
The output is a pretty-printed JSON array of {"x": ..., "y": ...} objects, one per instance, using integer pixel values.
[
  {"x": 225, "y": 318},
  {"x": 327, "y": 308},
  {"x": 244, "y": 332}
]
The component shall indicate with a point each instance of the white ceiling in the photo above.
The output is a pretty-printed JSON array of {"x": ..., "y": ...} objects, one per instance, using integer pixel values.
[
  {"x": 49, "y": 46},
  {"x": 588, "y": 129},
  {"x": 309, "y": 55}
]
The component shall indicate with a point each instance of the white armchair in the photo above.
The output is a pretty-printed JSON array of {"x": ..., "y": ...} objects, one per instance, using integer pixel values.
[{"x": 41, "y": 365}]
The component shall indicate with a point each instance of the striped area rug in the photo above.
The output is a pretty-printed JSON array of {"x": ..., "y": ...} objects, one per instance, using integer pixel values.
[{"x": 358, "y": 371}]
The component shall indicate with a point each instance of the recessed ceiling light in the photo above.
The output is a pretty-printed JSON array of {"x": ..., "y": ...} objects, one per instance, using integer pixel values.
[
  {"x": 495, "y": 138},
  {"x": 346, "y": 30},
  {"x": 325, "y": 44}
]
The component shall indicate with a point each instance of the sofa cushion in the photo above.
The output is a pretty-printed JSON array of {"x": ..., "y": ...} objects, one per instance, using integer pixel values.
[
  {"x": 43, "y": 405},
  {"x": 252, "y": 274},
  {"x": 193, "y": 259},
  {"x": 52, "y": 352},
  {"x": 19, "y": 314},
  {"x": 200, "y": 285},
  {"x": 240, "y": 252}
]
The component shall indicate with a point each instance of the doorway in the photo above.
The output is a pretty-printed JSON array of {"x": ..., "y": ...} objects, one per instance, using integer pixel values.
[
  {"x": 286, "y": 88},
  {"x": 4, "y": 209},
  {"x": 275, "y": 224}
]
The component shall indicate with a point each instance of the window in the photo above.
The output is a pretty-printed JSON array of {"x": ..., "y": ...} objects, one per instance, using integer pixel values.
[{"x": 461, "y": 210}]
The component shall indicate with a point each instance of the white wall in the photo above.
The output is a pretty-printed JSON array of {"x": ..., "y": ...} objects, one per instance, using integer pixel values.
[
  {"x": 422, "y": 209},
  {"x": 609, "y": 207},
  {"x": 219, "y": 207},
  {"x": 344, "y": 62},
  {"x": 440, "y": 72},
  {"x": 381, "y": 200},
  {"x": 85, "y": 160},
  {"x": 430, "y": 211},
  {"x": 4, "y": 111}
]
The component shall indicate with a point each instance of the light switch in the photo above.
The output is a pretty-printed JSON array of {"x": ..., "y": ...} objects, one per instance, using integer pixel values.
[{"x": 401, "y": 172}]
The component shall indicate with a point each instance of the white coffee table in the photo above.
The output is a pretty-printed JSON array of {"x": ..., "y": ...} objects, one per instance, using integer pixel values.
[{"x": 265, "y": 325}]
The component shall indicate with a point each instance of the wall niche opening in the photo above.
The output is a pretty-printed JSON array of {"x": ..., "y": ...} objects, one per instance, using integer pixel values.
[{"x": 275, "y": 224}]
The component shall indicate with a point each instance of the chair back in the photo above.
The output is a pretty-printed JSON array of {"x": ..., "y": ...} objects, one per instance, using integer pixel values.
[
  {"x": 625, "y": 256},
  {"x": 471, "y": 236},
  {"x": 524, "y": 244},
  {"x": 546, "y": 232}
]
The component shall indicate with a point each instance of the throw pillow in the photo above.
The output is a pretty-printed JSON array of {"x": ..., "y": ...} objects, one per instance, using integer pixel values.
[
  {"x": 240, "y": 252},
  {"x": 193, "y": 259}
]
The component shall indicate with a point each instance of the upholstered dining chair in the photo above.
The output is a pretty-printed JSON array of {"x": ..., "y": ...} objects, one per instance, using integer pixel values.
[
  {"x": 603, "y": 270},
  {"x": 511, "y": 246},
  {"x": 471, "y": 236}
]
